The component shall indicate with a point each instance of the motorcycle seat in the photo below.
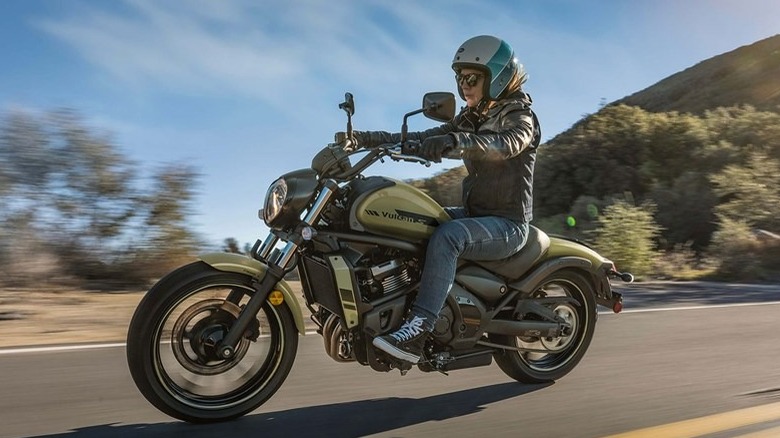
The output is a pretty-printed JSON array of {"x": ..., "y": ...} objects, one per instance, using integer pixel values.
[{"x": 514, "y": 266}]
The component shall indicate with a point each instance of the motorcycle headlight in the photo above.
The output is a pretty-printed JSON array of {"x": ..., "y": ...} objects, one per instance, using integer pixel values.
[
  {"x": 274, "y": 200},
  {"x": 288, "y": 197}
]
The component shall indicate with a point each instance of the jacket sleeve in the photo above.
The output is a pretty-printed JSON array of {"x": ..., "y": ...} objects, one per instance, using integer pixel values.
[
  {"x": 372, "y": 139},
  {"x": 513, "y": 131}
]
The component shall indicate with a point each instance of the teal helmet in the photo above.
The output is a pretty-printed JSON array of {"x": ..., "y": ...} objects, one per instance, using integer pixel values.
[{"x": 495, "y": 58}]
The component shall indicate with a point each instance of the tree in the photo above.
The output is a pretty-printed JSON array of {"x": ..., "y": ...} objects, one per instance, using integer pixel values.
[
  {"x": 444, "y": 187},
  {"x": 168, "y": 239},
  {"x": 745, "y": 126},
  {"x": 68, "y": 189},
  {"x": 600, "y": 157},
  {"x": 626, "y": 235},
  {"x": 750, "y": 193},
  {"x": 737, "y": 251},
  {"x": 231, "y": 245},
  {"x": 686, "y": 210}
]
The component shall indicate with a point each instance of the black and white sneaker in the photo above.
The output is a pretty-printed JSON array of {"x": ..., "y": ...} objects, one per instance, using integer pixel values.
[{"x": 407, "y": 342}]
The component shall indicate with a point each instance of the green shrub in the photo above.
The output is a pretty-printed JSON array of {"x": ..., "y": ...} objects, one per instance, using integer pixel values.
[
  {"x": 626, "y": 235},
  {"x": 741, "y": 256}
]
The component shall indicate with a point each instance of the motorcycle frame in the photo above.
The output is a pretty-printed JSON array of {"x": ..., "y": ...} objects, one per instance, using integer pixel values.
[{"x": 268, "y": 265}]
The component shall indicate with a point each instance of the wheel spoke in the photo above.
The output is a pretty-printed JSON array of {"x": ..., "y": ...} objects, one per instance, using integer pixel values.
[
  {"x": 194, "y": 371},
  {"x": 175, "y": 334}
]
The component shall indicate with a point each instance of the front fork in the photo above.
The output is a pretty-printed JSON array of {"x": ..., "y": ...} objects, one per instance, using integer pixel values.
[{"x": 279, "y": 262}]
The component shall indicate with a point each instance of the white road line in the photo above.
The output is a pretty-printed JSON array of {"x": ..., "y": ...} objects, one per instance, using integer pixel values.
[
  {"x": 711, "y": 306},
  {"x": 56, "y": 348},
  {"x": 52, "y": 348}
]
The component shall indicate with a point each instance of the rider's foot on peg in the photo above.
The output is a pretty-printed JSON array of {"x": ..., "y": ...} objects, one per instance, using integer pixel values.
[{"x": 407, "y": 342}]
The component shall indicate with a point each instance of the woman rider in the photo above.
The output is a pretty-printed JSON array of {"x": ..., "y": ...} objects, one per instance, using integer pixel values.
[{"x": 496, "y": 135}]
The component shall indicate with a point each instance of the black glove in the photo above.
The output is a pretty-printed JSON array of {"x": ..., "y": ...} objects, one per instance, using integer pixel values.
[
  {"x": 359, "y": 137},
  {"x": 433, "y": 147}
]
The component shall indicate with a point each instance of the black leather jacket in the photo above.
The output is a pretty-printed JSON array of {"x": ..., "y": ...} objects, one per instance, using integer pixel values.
[{"x": 499, "y": 151}]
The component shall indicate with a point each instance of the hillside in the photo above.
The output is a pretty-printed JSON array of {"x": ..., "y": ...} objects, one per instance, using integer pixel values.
[{"x": 748, "y": 75}]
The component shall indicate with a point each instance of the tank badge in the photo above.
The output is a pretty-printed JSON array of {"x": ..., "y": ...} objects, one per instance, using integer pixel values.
[{"x": 405, "y": 216}]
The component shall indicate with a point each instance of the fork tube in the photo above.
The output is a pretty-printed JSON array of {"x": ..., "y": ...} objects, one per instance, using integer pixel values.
[
  {"x": 286, "y": 255},
  {"x": 328, "y": 189},
  {"x": 275, "y": 272},
  {"x": 267, "y": 247},
  {"x": 227, "y": 347}
]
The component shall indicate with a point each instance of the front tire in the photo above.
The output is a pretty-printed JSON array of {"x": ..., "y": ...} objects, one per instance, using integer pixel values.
[
  {"x": 171, "y": 346},
  {"x": 553, "y": 358}
]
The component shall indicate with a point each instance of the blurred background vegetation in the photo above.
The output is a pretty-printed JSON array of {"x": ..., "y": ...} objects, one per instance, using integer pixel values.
[
  {"x": 678, "y": 181},
  {"x": 74, "y": 210},
  {"x": 664, "y": 195}
]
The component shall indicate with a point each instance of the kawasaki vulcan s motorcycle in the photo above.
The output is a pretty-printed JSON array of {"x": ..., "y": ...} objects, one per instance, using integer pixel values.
[{"x": 214, "y": 339}]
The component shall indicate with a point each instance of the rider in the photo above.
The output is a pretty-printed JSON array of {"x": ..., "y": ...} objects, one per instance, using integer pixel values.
[{"x": 496, "y": 135}]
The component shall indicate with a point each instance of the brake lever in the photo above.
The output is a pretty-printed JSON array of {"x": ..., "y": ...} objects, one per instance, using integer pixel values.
[{"x": 396, "y": 153}]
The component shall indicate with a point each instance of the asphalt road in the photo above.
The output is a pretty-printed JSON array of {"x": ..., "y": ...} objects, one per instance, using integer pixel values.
[{"x": 644, "y": 369}]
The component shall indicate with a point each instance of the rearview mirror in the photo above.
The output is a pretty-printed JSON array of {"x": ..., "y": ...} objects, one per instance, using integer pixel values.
[
  {"x": 348, "y": 105},
  {"x": 439, "y": 106}
]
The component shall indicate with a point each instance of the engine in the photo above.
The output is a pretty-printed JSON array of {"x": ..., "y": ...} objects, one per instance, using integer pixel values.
[
  {"x": 385, "y": 278},
  {"x": 379, "y": 273}
]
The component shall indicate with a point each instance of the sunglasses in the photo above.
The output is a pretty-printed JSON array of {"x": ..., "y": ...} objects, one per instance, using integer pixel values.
[{"x": 471, "y": 79}]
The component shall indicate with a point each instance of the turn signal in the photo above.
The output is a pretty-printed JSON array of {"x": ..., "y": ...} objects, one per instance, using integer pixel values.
[{"x": 276, "y": 298}]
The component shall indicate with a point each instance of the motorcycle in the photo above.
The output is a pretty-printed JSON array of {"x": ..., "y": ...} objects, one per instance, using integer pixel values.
[{"x": 215, "y": 339}]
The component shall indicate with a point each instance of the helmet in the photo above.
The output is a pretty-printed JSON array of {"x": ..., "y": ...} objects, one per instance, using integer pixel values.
[{"x": 495, "y": 58}]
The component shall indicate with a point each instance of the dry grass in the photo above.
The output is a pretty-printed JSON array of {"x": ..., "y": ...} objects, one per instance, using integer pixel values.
[
  {"x": 33, "y": 317},
  {"x": 57, "y": 316}
]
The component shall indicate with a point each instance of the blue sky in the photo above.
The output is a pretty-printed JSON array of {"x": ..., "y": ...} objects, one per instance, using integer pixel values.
[{"x": 246, "y": 90}]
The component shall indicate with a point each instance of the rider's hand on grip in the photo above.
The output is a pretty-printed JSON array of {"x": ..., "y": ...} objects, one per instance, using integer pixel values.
[
  {"x": 359, "y": 139},
  {"x": 411, "y": 147},
  {"x": 434, "y": 147}
]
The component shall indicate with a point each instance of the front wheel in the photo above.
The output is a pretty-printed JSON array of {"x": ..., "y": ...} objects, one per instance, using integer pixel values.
[
  {"x": 539, "y": 360},
  {"x": 172, "y": 340}
]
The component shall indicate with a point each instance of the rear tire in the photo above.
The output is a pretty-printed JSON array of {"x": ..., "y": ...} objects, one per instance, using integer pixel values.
[
  {"x": 170, "y": 349},
  {"x": 561, "y": 354}
]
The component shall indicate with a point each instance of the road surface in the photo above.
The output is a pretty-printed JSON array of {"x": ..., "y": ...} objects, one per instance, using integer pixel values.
[{"x": 696, "y": 367}]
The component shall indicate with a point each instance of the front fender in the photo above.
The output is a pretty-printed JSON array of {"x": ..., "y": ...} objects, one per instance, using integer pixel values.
[{"x": 242, "y": 264}]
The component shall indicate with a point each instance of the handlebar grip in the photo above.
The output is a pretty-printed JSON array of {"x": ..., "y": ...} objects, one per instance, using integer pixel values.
[{"x": 410, "y": 147}]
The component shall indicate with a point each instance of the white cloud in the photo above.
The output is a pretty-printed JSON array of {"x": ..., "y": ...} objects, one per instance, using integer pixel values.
[
  {"x": 176, "y": 49},
  {"x": 274, "y": 51}
]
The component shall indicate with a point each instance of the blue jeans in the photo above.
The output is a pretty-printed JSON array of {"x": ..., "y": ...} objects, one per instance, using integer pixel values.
[{"x": 470, "y": 238}]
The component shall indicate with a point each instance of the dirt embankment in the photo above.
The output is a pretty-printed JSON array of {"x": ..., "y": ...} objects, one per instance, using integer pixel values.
[
  {"x": 63, "y": 316},
  {"x": 31, "y": 317}
]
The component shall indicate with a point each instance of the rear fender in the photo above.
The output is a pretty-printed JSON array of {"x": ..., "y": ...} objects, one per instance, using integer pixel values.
[
  {"x": 565, "y": 253},
  {"x": 229, "y": 262},
  {"x": 531, "y": 281}
]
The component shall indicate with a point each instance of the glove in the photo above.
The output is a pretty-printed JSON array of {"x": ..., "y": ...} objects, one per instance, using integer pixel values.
[
  {"x": 432, "y": 148},
  {"x": 359, "y": 137}
]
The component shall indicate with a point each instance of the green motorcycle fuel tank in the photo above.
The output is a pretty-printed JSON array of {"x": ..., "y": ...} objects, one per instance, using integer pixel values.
[{"x": 393, "y": 208}]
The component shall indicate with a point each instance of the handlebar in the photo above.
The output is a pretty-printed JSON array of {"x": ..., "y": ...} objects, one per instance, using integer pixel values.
[
  {"x": 405, "y": 152},
  {"x": 395, "y": 151}
]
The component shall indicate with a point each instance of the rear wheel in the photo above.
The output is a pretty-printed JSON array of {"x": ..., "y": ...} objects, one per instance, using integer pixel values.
[
  {"x": 539, "y": 360},
  {"x": 172, "y": 340}
]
